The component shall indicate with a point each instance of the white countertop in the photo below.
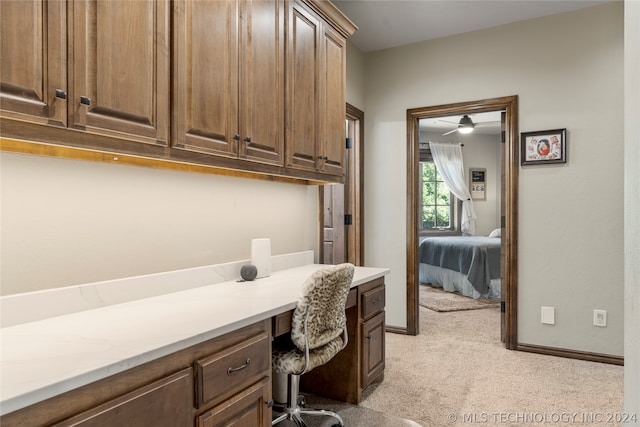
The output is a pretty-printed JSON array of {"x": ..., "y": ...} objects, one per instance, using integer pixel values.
[{"x": 48, "y": 357}]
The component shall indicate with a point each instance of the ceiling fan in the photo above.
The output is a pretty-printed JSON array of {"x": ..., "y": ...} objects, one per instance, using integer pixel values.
[{"x": 466, "y": 125}]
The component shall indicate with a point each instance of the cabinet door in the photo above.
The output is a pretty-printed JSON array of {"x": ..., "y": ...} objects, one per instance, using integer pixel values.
[
  {"x": 249, "y": 409},
  {"x": 33, "y": 37},
  {"x": 372, "y": 349},
  {"x": 332, "y": 99},
  {"x": 119, "y": 69},
  {"x": 166, "y": 402},
  {"x": 303, "y": 71},
  {"x": 205, "y": 67},
  {"x": 262, "y": 81}
]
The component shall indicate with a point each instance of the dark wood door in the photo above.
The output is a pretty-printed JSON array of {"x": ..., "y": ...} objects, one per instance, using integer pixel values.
[
  {"x": 119, "y": 69},
  {"x": 34, "y": 37},
  {"x": 342, "y": 204}
]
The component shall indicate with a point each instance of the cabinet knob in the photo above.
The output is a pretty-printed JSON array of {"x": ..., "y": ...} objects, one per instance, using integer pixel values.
[
  {"x": 61, "y": 94},
  {"x": 85, "y": 100},
  {"x": 236, "y": 137},
  {"x": 248, "y": 139}
]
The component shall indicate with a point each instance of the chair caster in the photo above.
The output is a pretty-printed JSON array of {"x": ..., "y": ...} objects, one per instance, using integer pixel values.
[{"x": 302, "y": 402}]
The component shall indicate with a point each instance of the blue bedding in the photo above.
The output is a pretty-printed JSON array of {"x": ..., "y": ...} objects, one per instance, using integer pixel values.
[{"x": 477, "y": 257}]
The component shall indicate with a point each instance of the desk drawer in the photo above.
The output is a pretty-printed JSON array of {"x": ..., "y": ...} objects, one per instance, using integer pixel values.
[
  {"x": 233, "y": 369},
  {"x": 373, "y": 302}
]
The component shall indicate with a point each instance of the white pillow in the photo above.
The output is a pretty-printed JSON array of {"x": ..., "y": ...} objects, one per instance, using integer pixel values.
[{"x": 495, "y": 233}]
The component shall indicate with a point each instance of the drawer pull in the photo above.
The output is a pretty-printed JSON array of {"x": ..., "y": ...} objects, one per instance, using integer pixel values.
[
  {"x": 376, "y": 301},
  {"x": 239, "y": 368}
]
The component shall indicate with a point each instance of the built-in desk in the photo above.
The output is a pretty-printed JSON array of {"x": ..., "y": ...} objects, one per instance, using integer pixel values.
[{"x": 157, "y": 360}]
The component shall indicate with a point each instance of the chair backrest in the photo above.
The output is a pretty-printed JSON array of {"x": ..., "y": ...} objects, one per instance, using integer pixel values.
[{"x": 322, "y": 304}]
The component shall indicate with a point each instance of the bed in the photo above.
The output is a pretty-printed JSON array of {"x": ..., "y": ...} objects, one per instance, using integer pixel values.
[{"x": 469, "y": 265}]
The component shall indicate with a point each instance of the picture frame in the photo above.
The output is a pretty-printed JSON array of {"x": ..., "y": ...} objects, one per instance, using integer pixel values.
[
  {"x": 543, "y": 147},
  {"x": 478, "y": 183}
]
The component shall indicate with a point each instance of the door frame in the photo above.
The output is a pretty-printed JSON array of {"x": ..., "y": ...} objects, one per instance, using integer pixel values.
[
  {"x": 354, "y": 194},
  {"x": 509, "y": 257}
]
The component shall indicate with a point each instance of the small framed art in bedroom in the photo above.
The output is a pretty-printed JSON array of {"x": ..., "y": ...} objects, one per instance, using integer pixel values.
[
  {"x": 543, "y": 147},
  {"x": 478, "y": 183}
]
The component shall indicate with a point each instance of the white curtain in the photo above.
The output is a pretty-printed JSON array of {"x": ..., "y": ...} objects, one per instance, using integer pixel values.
[{"x": 448, "y": 161}]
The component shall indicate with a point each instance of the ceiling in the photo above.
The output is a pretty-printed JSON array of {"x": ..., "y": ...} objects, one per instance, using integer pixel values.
[
  {"x": 390, "y": 23},
  {"x": 384, "y": 24},
  {"x": 485, "y": 123}
]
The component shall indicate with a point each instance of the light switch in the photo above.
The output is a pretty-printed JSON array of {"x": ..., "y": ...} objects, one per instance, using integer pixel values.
[{"x": 548, "y": 315}]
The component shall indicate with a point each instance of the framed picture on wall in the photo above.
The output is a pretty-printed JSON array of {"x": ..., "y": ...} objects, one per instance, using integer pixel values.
[
  {"x": 478, "y": 183},
  {"x": 543, "y": 147}
]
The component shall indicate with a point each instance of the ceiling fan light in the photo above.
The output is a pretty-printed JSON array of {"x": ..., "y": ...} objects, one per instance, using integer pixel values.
[{"x": 466, "y": 124}]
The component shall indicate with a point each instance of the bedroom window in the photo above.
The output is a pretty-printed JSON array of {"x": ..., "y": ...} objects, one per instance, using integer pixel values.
[{"x": 437, "y": 204}]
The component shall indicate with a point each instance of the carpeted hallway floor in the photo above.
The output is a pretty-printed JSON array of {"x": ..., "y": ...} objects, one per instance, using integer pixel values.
[{"x": 457, "y": 372}]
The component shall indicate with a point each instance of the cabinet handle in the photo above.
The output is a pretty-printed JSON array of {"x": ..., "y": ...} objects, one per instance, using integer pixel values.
[
  {"x": 375, "y": 301},
  {"x": 61, "y": 94},
  {"x": 323, "y": 158},
  {"x": 85, "y": 100},
  {"x": 368, "y": 337},
  {"x": 248, "y": 139},
  {"x": 236, "y": 137},
  {"x": 239, "y": 368}
]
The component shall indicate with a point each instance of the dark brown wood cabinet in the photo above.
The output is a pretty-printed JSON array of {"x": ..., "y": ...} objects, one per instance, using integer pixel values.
[
  {"x": 229, "y": 79},
  {"x": 316, "y": 61},
  {"x": 251, "y": 86},
  {"x": 362, "y": 362},
  {"x": 119, "y": 69},
  {"x": 98, "y": 67},
  {"x": 34, "y": 61},
  {"x": 208, "y": 384},
  {"x": 163, "y": 403}
]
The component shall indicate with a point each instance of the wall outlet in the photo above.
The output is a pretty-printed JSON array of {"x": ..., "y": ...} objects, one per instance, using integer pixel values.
[
  {"x": 600, "y": 318},
  {"x": 548, "y": 315}
]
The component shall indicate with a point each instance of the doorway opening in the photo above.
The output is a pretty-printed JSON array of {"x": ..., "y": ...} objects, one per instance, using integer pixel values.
[{"x": 508, "y": 216}]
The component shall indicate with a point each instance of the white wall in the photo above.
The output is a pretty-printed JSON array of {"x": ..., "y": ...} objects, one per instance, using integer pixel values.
[
  {"x": 479, "y": 151},
  {"x": 632, "y": 207},
  {"x": 67, "y": 221},
  {"x": 567, "y": 70},
  {"x": 355, "y": 76}
]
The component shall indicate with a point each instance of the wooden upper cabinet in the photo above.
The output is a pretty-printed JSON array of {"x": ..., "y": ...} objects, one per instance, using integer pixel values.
[
  {"x": 316, "y": 90},
  {"x": 33, "y": 65},
  {"x": 303, "y": 72},
  {"x": 333, "y": 93},
  {"x": 119, "y": 69},
  {"x": 229, "y": 78},
  {"x": 262, "y": 83}
]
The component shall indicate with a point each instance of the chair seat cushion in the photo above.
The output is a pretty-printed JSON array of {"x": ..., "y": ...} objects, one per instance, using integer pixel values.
[{"x": 290, "y": 360}]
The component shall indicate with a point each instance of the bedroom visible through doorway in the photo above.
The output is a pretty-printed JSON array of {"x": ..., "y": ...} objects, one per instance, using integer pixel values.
[{"x": 438, "y": 213}]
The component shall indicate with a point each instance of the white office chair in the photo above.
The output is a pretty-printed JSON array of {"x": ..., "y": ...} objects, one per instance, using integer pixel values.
[{"x": 318, "y": 333}]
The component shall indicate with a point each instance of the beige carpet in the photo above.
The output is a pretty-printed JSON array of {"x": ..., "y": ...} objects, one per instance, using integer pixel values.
[
  {"x": 442, "y": 301},
  {"x": 457, "y": 372}
]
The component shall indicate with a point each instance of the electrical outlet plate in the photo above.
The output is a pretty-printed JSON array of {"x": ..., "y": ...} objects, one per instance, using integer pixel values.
[
  {"x": 548, "y": 315},
  {"x": 600, "y": 318}
]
